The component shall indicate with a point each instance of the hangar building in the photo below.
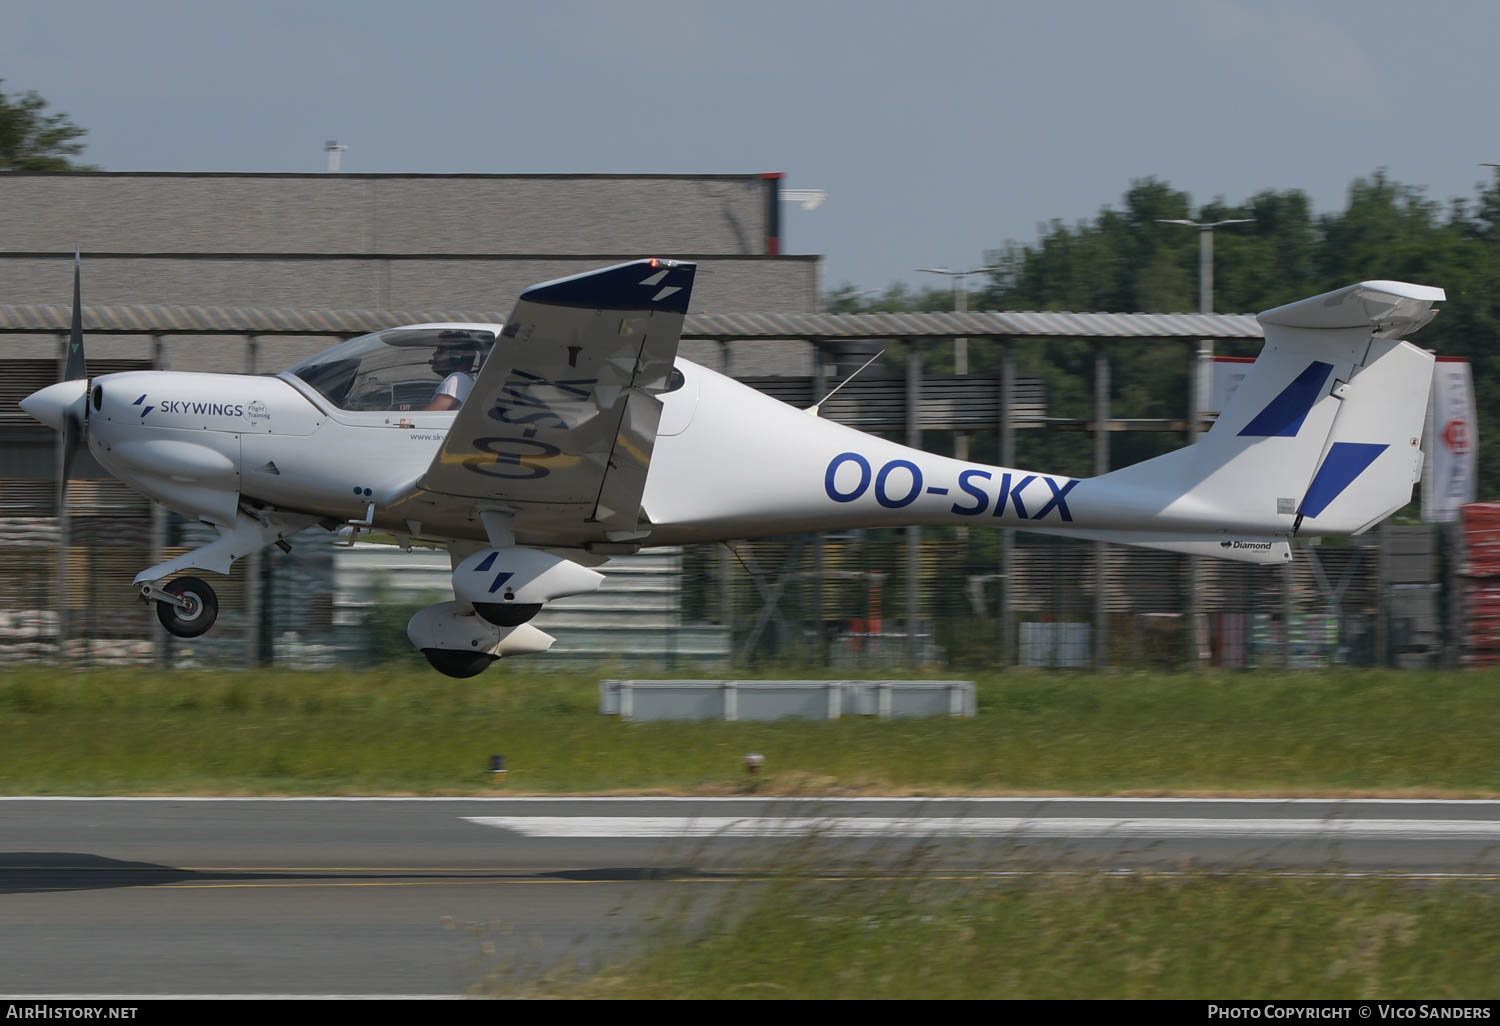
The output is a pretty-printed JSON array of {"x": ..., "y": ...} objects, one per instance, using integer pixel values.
[
  {"x": 390, "y": 242},
  {"x": 419, "y": 243}
]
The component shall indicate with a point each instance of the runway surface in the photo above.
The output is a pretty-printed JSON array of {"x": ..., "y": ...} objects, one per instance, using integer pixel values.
[{"x": 424, "y": 897}]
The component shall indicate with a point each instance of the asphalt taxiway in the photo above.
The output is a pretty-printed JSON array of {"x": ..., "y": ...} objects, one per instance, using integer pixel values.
[{"x": 424, "y": 897}]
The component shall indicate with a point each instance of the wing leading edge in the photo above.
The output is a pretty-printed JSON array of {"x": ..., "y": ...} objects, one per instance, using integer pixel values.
[{"x": 562, "y": 419}]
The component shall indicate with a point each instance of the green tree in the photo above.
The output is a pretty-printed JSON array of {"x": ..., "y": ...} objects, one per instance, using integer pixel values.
[
  {"x": 1122, "y": 260},
  {"x": 33, "y": 140}
]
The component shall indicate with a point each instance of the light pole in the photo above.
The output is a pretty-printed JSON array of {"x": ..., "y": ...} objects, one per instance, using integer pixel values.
[
  {"x": 960, "y": 305},
  {"x": 849, "y": 295},
  {"x": 1206, "y": 254},
  {"x": 1205, "y": 305},
  {"x": 960, "y": 345},
  {"x": 1202, "y": 367}
]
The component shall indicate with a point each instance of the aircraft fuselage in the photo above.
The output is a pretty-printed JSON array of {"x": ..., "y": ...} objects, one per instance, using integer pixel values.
[{"x": 729, "y": 463}]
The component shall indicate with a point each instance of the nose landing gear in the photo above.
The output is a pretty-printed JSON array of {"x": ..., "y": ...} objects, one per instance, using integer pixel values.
[{"x": 186, "y": 607}]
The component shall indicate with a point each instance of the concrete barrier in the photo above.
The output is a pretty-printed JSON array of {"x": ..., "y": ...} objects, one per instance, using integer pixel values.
[{"x": 639, "y": 700}]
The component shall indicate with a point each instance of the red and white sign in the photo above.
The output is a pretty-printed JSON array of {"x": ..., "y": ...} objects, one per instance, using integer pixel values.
[{"x": 1448, "y": 475}]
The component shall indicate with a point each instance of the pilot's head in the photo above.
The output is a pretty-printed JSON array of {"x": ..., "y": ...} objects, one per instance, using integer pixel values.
[{"x": 453, "y": 356}]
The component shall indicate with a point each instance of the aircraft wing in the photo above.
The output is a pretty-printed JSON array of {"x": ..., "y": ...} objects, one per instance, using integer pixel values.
[{"x": 562, "y": 418}]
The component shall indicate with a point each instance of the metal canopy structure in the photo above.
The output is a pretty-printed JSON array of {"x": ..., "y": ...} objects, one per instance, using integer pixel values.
[
  {"x": 727, "y": 327},
  {"x": 992, "y": 324}
]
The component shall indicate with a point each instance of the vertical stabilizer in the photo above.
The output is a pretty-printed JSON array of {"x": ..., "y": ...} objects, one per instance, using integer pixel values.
[{"x": 1322, "y": 436}]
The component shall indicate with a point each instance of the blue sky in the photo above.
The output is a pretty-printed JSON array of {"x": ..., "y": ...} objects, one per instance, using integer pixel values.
[{"x": 939, "y": 129}]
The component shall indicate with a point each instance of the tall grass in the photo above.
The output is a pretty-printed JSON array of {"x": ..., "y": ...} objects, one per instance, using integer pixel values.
[
  {"x": 1094, "y": 935},
  {"x": 939, "y": 919},
  {"x": 399, "y": 730}
]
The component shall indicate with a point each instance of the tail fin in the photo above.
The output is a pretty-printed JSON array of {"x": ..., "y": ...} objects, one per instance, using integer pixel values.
[{"x": 1322, "y": 436}]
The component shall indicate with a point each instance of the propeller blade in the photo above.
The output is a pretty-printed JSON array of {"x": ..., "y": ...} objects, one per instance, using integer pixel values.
[
  {"x": 75, "y": 365},
  {"x": 74, "y": 425},
  {"x": 72, "y": 434}
]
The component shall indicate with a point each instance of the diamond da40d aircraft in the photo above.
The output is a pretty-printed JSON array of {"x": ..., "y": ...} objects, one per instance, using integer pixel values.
[{"x": 534, "y": 449}]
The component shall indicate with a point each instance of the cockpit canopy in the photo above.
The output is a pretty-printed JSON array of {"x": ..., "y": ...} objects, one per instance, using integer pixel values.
[{"x": 396, "y": 369}]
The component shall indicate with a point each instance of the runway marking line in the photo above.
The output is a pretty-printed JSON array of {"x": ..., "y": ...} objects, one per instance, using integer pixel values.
[
  {"x": 1001, "y": 827},
  {"x": 774, "y": 800}
]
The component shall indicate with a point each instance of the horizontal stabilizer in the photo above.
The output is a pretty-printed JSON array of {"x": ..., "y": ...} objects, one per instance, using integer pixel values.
[{"x": 1390, "y": 309}]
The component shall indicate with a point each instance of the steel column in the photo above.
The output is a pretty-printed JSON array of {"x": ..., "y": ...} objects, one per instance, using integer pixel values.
[
  {"x": 1288, "y": 587},
  {"x": 961, "y": 367},
  {"x": 1101, "y": 466},
  {"x": 1007, "y": 459},
  {"x": 254, "y": 614},
  {"x": 161, "y": 641},
  {"x": 1383, "y": 597},
  {"x": 1194, "y": 567},
  {"x": 1453, "y": 591},
  {"x": 820, "y": 648},
  {"x": 64, "y": 522},
  {"x": 913, "y": 533},
  {"x": 726, "y": 554}
]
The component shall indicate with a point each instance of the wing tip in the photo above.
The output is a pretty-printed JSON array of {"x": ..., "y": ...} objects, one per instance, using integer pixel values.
[{"x": 654, "y": 284}]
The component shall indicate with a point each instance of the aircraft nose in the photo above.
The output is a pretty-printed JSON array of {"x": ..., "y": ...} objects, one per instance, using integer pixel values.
[{"x": 50, "y": 405}]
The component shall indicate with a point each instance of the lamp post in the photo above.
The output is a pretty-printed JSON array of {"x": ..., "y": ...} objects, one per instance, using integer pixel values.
[
  {"x": 1199, "y": 396},
  {"x": 1205, "y": 305},
  {"x": 849, "y": 295},
  {"x": 960, "y": 345},
  {"x": 960, "y": 305},
  {"x": 1206, "y": 254}
]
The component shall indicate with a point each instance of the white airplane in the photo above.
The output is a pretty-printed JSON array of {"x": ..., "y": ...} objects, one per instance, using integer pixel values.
[{"x": 581, "y": 434}]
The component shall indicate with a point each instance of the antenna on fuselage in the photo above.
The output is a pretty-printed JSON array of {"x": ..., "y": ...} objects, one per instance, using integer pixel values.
[{"x": 813, "y": 409}]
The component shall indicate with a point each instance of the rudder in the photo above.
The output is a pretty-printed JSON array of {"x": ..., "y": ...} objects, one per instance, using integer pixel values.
[{"x": 1373, "y": 454}]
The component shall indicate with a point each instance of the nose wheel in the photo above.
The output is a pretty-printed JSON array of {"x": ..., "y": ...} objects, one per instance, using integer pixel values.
[{"x": 187, "y": 607}]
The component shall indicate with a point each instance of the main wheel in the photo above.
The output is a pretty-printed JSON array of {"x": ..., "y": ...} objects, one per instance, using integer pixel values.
[
  {"x": 197, "y": 616},
  {"x": 456, "y": 663}
]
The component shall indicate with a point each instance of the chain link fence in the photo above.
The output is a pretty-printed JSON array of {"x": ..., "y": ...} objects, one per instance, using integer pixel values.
[{"x": 861, "y": 600}]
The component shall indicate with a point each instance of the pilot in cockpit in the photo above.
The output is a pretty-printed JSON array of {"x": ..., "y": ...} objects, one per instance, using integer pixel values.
[{"x": 454, "y": 359}]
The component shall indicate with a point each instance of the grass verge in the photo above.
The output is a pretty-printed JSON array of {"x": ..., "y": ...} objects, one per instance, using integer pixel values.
[
  {"x": 402, "y": 731},
  {"x": 1094, "y": 935}
]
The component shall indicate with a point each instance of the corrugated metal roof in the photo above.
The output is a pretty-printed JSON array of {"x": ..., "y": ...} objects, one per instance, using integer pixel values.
[
  {"x": 219, "y": 320},
  {"x": 995, "y": 323}
]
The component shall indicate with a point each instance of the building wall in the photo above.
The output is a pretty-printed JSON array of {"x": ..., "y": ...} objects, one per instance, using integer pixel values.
[
  {"x": 724, "y": 285},
  {"x": 724, "y": 215},
  {"x": 418, "y": 244},
  {"x": 415, "y": 243}
]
